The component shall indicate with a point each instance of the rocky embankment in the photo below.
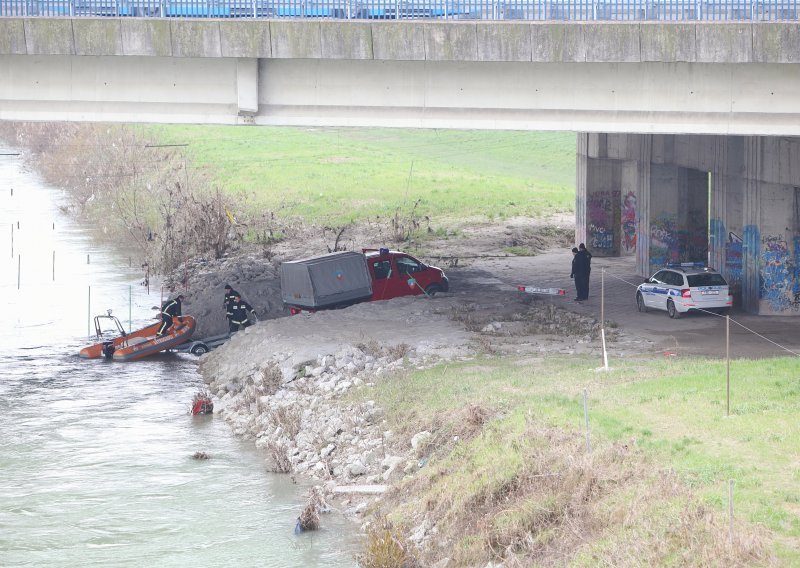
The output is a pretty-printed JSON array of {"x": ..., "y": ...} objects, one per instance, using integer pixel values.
[{"x": 287, "y": 384}]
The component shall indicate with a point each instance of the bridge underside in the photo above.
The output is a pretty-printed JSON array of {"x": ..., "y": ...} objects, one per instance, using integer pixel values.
[
  {"x": 731, "y": 201},
  {"x": 723, "y": 98}
]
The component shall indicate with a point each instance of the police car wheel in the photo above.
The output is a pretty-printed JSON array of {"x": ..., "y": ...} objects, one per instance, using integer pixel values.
[
  {"x": 672, "y": 311},
  {"x": 640, "y": 302},
  {"x": 199, "y": 350}
]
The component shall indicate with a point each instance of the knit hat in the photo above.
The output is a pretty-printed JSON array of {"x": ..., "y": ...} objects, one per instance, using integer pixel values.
[
  {"x": 228, "y": 287},
  {"x": 574, "y": 249}
]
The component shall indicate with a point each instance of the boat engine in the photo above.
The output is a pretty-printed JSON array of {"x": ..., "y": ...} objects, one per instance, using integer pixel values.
[{"x": 108, "y": 349}]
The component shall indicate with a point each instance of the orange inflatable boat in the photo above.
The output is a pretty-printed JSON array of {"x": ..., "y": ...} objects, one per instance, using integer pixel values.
[{"x": 140, "y": 343}]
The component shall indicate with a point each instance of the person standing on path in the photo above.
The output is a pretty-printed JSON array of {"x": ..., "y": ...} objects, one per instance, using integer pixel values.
[
  {"x": 586, "y": 262},
  {"x": 574, "y": 274},
  {"x": 239, "y": 314}
]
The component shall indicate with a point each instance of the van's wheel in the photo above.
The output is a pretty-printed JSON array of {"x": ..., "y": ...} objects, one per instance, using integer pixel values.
[
  {"x": 433, "y": 289},
  {"x": 199, "y": 350},
  {"x": 673, "y": 313},
  {"x": 640, "y": 302}
]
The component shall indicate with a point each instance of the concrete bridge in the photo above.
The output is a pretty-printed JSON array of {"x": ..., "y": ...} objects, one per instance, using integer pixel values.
[{"x": 687, "y": 151}]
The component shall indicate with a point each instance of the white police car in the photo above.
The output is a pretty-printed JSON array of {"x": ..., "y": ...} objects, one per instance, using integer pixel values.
[{"x": 679, "y": 288}]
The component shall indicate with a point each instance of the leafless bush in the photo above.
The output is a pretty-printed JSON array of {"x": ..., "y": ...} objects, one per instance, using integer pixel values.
[
  {"x": 309, "y": 518},
  {"x": 403, "y": 225},
  {"x": 279, "y": 452},
  {"x": 398, "y": 351},
  {"x": 271, "y": 378},
  {"x": 387, "y": 548},
  {"x": 288, "y": 419},
  {"x": 466, "y": 315},
  {"x": 129, "y": 187},
  {"x": 337, "y": 233},
  {"x": 377, "y": 350},
  {"x": 476, "y": 415},
  {"x": 201, "y": 456}
]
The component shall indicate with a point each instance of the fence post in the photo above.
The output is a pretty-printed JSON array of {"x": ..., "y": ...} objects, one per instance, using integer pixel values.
[
  {"x": 728, "y": 364},
  {"x": 586, "y": 418}
]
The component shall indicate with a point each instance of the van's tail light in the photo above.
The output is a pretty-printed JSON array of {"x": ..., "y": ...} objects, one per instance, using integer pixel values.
[{"x": 686, "y": 293}]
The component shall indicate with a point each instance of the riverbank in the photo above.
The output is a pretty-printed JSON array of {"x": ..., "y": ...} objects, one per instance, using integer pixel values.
[{"x": 447, "y": 428}]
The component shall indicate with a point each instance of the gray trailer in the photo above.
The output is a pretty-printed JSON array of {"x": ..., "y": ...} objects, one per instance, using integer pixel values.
[{"x": 327, "y": 281}]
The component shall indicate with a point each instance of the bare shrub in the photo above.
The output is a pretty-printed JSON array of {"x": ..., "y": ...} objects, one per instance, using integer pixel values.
[
  {"x": 281, "y": 460},
  {"x": 403, "y": 224},
  {"x": 466, "y": 315},
  {"x": 337, "y": 233},
  {"x": 377, "y": 350},
  {"x": 398, "y": 351},
  {"x": 200, "y": 456},
  {"x": 288, "y": 419},
  {"x": 476, "y": 415},
  {"x": 371, "y": 347},
  {"x": 309, "y": 517},
  {"x": 484, "y": 345},
  {"x": 271, "y": 378},
  {"x": 386, "y": 548}
]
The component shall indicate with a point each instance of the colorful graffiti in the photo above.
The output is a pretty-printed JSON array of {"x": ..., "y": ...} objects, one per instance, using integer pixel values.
[
  {"x": 600, "y": 212},
  {"x": 734, "y": 262},
  {"x": 629, "y": 222},
  {"x": 664, "y": 241},
  {"x": 776, "y": 273}
]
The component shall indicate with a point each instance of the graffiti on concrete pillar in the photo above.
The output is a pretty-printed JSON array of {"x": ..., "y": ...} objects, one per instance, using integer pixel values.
[
  {"x": 629, "y": 222},
  {"x": 733, "y": 261},
  {"x": 776, "y": 273},
  {"x": 600, "y": 211},
  {"x": 664, "y": 240},
  {"x": 796, "y": 274}
]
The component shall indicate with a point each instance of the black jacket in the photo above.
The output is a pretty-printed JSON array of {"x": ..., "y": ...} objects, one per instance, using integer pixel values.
[
  {"x": 172, "y": 308},
  {"x": 239, "y": 311},
  {"x": 580, "y": 265},
  {"x": 230, "y": 299}
]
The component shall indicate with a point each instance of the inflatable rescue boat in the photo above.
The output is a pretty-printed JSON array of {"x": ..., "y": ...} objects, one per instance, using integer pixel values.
[{"x": 140, "y": 343}]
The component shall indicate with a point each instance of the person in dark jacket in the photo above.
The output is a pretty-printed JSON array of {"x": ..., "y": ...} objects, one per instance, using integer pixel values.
[
  {"x": 230, "y": 298},
  {"x": 586, "y": 263},
  {"x": 240, "y": 311},
  {"x": 572, "y": 273},
  {"x": 169, "y": 310}
]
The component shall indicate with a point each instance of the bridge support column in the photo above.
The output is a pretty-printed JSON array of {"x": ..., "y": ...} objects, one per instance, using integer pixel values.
[
  {"x": 598, "y": 195},
  {"x": 247, "y": 89}
]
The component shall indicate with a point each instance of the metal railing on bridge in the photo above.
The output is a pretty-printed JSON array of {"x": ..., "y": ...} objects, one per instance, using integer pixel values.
[{"x": 532, "y": 10}]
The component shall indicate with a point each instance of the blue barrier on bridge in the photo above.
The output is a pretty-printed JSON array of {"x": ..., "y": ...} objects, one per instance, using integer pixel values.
[{"x": 531, "y": 10}]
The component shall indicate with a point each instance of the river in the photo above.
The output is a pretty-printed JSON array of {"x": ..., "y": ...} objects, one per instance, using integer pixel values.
[{"x": 96, "y": 456}]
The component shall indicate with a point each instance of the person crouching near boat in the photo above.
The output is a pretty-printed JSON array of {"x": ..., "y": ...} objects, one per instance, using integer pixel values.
[{"x": 170, "y": 309}]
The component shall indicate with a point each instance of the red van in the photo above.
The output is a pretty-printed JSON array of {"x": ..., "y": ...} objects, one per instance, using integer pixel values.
[
  {"x": 341, "y": 279},
  {"x": 397, "y": 274}
]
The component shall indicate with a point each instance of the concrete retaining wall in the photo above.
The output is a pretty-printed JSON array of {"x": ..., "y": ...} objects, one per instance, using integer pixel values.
[{"x": 578, "y": 42}]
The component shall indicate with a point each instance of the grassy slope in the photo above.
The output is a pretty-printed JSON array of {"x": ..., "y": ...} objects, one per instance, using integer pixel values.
[
  {"x": 341, "y": 175},
  {"x": 673, "y": 409}
]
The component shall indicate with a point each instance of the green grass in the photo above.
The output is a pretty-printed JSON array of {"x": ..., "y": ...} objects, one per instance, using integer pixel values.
[
  {"x": 674, "y": 410},
  {"x": 340, "y": 175}
]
